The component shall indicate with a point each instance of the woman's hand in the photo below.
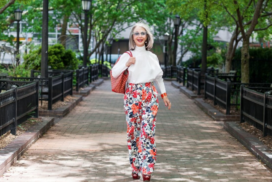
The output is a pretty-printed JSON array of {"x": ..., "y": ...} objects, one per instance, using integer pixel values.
[
  {"x": 167, "y": 102},
  {"x": 131, "y": 61}
]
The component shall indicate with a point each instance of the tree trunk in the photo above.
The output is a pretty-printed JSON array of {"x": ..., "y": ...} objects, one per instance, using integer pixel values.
[
  {"x": 204, "y": 50},
  {"x": 64, "y": 30},
  {"x": 229, "y": 54},
  {"x": 245, "y": 61}
]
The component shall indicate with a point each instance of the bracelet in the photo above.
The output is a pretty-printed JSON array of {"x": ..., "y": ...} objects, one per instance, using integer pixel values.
[{"x": 163, "y": 95}]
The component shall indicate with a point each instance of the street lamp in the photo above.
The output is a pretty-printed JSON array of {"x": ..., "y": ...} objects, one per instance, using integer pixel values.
[
  {"x": 44, "y": 61},
  {"x": 110, "y": 43},
  {"x": 176, "y": 23},
  {"x": 18, "y": 18},
  {"x": 86, "y": 4},
  {"x": 166, "y": 37}
]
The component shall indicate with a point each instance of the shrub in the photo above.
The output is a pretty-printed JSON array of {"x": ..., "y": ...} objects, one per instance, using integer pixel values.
[
  {"x": 259, "y": 65},
  {"x": 58, "y": 58}
]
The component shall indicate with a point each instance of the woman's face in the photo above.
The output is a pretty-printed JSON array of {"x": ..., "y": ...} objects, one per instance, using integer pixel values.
[{"x": 139, "y": 36}]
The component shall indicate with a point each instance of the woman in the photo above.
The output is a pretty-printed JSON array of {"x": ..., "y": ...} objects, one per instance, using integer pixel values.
[{"x": 141, "y": 100}]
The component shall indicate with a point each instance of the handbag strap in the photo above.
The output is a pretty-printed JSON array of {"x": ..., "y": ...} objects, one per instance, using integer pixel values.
[{"x": 129, "y": 53}]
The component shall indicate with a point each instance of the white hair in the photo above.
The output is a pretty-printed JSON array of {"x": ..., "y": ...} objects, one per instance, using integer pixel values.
[{"x": 149, "y": 40}]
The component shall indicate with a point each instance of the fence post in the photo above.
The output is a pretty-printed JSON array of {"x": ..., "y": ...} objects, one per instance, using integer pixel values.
[
  {"x": 205, "y": 86},
  {"x": 14, "y": 128},
  {"x": 184, "y": 74},
  {"x": 90, "y": 74},
  {"x": 32, "y": 73},
  {"x": 87, "y": 75},
  {"x": 50, "y": 93},
  {"x": 77, "y": 80},
  {"x": 198, "y": 83},
  {"x": 264, "y": 114},
  {"x": 228, "y": 97},
  {"x": 214, "y": 91},
  {"x": 72, "y": 76},
  {"x": 62, "y": 87},
  {"x": 241, "y": 104},
  {"x": 188, "y": 78},
  {"x": 37, "y": 100}
]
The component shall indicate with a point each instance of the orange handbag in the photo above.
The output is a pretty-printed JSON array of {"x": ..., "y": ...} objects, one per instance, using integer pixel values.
[{"x": 118, "y": 84}]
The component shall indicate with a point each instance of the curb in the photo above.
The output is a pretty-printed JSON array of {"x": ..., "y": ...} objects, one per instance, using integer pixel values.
[
  {"x": 256, "y": 147},
  {"x": 62, "y": 111},
  {"x": 189, "y": 93},
  {"x": 98, "y": 82},
  {"x": 14, "y": 150},
  {"x": 175, "y": 84},
  {"x": 85, "y": 91},
  {"x": 214, "y": 113}
]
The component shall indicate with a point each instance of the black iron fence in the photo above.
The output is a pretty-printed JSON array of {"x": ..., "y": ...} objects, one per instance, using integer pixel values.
[
  {"x": 220, "y": 92},
  {"x": 256, "y": 107},
  {"x": 170, "y": 72},
  {"x": 52, "y": 89},
  {"x": 93, "y": 72},
  {"x": 105, "y": 71},
  {"x": 82, "y": 77},
  {"x": 181, "y": 74},
  {"x": 17, "y": 104},
  {"x": 226, "y": 93},
  {"x": 193, "y": 79}
]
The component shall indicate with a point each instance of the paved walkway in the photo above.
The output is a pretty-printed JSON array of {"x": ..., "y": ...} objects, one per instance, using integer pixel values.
[{"x": 90, "y": 145}]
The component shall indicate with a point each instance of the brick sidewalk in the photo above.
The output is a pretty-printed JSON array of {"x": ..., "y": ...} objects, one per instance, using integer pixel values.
[{"x": 90, "y": 145}]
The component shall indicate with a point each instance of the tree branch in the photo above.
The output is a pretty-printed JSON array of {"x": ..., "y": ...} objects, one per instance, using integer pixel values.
[
  {"x": 229, "y": 13},
  {"x": 240, "y": 22},
  {"x": 255, "y": 17},
  {"x": 6, "y": 6},
  {"x": 247, "y": 6},
  {"x": 261, "y": 29},
  {"x": 267, "y": 14}
]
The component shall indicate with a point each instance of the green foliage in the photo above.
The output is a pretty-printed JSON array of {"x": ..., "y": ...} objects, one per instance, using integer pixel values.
[
  {"x": 55, "y": 55},
  {"x": 69, "y": 59},
  {"x": 96, "y": 61},
  {"x": 260, "y": 65},
  {"x": 32, "y": 60},
  {"x": 193, "y": 62},
  {"x": 215, "y": 60},
  {"x": 16, "y": 71},
  {"x": 58, "y": 58}
]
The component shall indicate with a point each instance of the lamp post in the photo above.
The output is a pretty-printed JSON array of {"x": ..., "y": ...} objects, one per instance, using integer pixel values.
[
  {"x": 44, "y": 63},
  {"x": 166, "y": 37},
  {"x": 18, "y": 18},
  {"x": 86, "y": 4},
  {"x": 110, "y": 42},
  {"x": 176, "y": 23}
]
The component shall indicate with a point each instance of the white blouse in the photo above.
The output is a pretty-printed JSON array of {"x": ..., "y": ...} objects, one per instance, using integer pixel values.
[{"x": 145, "y": 69}]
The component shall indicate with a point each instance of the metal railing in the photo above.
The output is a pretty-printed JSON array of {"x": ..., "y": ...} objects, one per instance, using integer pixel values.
[
  {"x": 93, "y": 72},
  {"x": 52, "y": 89},
  {"x": 256, "y": 107},
  {"x": 226, "y": 93},
  {"x": 181, "y": 74},
  {"x": 82, "y": 77},
  {"x": 17, "y": 104},
  {"x": 105, "y": 71},
  {"x": 193, "y": 79},
  {"x": 219, "y": 91}
]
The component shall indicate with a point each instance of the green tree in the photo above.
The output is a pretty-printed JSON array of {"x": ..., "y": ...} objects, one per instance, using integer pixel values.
[{"x": 250, "y": 16}]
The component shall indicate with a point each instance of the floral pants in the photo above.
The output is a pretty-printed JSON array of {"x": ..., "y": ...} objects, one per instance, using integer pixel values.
[{"x": 141, "y": 106}]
